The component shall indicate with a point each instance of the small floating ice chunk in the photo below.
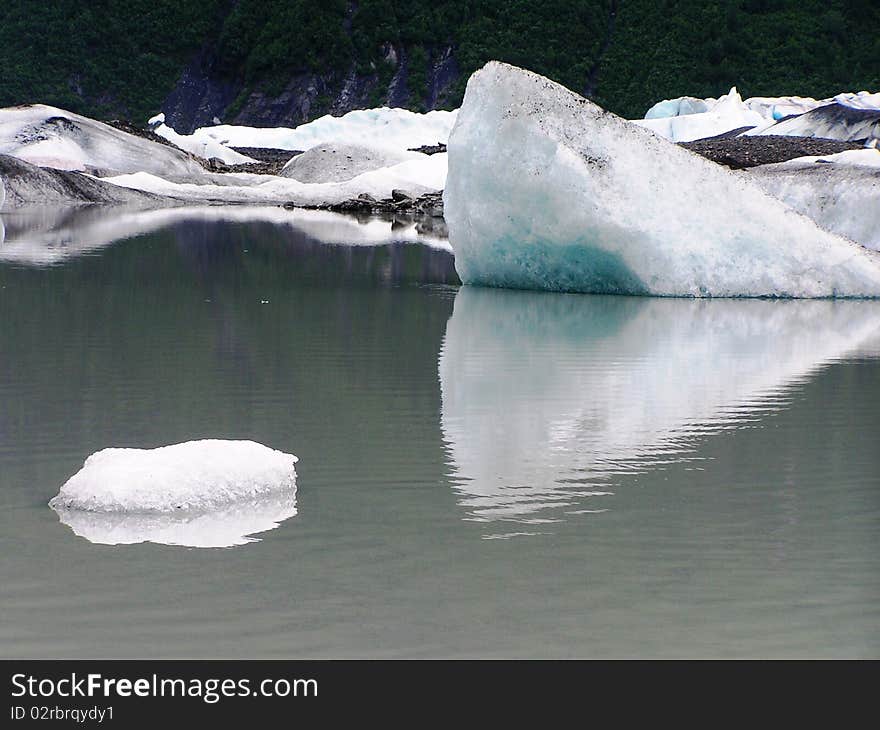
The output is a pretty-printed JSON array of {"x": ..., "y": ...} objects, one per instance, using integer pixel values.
[{"x": 196, "y": 476}]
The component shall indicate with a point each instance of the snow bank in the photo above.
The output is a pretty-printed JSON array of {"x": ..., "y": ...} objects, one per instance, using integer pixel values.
[
  {"x": 427, "y": 173},
  {"x": 841, "y": 192},
  {"x": 341, "y": 161},
  {"x": 192, "y": 476},
  {"x": 398, "y": 128},
  {"x": 608, "y": 387},
  {"x": 50, "y": 137},
  {"x": 225, "y": 527},
  {"x": 868, "y": 157},
  {"x": 203, "y": 146},
  {"x": 548, "y": 191}
]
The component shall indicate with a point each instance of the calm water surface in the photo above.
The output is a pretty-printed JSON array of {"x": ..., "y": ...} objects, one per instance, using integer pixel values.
[{"x": 482, "y": 473}]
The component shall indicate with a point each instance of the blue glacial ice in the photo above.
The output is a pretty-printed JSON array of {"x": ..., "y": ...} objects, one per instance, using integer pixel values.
[{"x": 548, "y": 191}]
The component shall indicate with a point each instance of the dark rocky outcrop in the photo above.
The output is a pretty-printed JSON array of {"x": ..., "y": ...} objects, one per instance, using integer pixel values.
[
  {"x": 427, "y": 205},
  {"x": 429, "y": 149},
  {"x": 203, "y": 94}
]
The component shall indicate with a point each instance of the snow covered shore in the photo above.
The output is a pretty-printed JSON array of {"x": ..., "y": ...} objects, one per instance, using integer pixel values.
[
  {"x": 368, "y": 161},
  {"x": 51, "y": 138}
]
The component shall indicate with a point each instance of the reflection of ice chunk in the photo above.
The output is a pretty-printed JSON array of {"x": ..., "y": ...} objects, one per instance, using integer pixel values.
[
  {"x": 398, "y": 128},
  {"x": 43, "y": 237},
  {"x": 548, "y": 191},
  {"x": 2, "y": 193},
  {"x": 612, "y": 386},
  {"x": 338, "y": 162},
  {"x": 225, "y": 527},
  {"x": 49, "y": 137},
  {"x": 192, "y": 476}
]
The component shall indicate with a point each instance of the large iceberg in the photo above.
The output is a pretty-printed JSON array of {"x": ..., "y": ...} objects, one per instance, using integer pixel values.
[
  {"x": 547, "y": 191},
  {"x": 196, "y": 476}
]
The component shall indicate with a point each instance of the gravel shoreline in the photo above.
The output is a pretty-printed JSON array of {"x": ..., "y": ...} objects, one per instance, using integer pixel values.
[{"x": 740, "y": 153}]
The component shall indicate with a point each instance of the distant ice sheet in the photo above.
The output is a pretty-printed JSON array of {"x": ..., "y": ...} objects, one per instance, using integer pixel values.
[
  {"x": 687, "y": 118},
  {"x": 398, "y": 128}
]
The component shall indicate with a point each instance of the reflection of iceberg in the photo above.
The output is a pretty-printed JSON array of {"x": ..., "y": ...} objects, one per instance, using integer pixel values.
[
  {"x": 226, "y": 527},
  {"x": 549, "y": 399},
  {"x": 44, "y": 236}
]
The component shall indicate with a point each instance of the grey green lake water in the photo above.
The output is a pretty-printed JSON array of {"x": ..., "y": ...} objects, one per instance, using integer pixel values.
[{"x": 482, "y": 473}]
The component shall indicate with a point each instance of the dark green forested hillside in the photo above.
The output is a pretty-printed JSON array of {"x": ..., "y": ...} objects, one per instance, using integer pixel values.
[{"x": 122, "y": 57}]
